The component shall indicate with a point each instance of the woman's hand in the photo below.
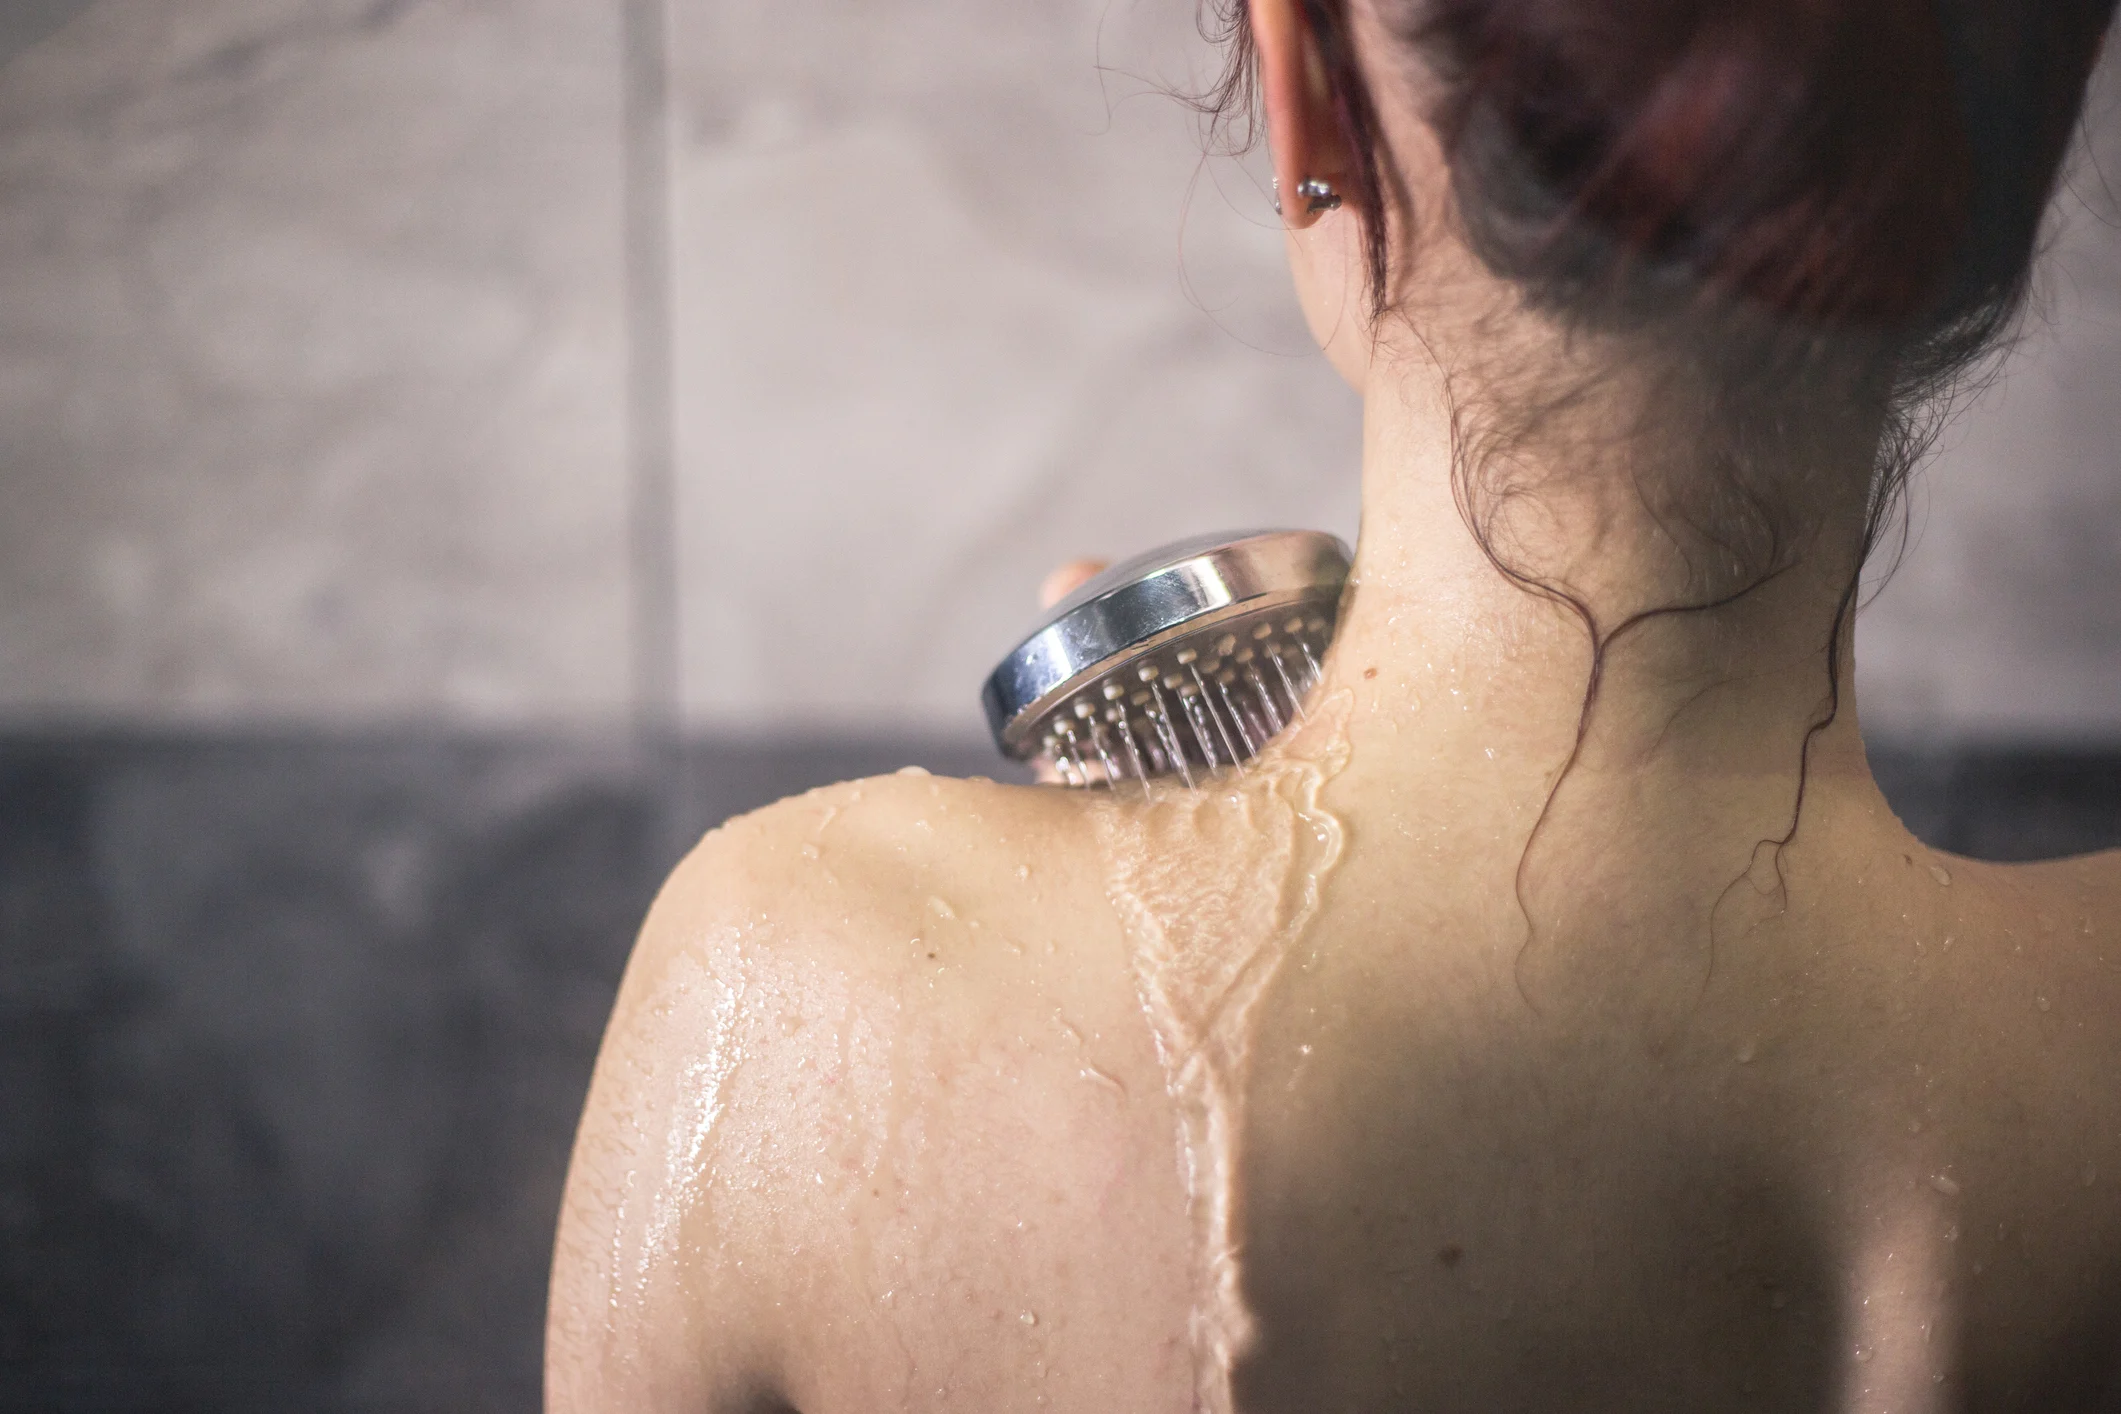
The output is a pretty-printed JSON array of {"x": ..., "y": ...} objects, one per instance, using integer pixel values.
[{"x": 1067, "y": 579}]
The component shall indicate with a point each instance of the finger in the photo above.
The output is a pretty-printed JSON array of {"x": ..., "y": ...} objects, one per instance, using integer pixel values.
[{"x": 1067, "y": 579}]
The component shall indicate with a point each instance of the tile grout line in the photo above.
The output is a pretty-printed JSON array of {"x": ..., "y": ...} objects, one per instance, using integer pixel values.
[
  {"x": 651, "y": 422},
  {"x": 651, "y": 470}
]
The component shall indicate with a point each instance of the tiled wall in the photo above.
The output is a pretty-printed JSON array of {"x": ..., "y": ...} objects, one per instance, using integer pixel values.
[
  {"x": 935, "y": 334},
  {"x": 2004, "y": 622},
  {"x": 311, "y": 363},
  {"x": 474, "y": 363},
  {"x": 293, "y": 1035},
  {"x": 538, "y": 361}
]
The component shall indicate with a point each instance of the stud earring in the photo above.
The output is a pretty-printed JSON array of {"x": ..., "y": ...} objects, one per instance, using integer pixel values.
[{"x": 1318, "y": 195}]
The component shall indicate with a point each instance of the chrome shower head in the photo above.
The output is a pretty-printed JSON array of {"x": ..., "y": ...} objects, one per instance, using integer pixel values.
[{"x": 1180, "y": 660}]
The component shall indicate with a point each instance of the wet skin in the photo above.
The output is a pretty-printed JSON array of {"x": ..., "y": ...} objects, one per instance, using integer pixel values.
[
  {"x": 882, "y": 1123},
  {"x": 1566, "y": 1092},
  {"x": 943, "y": 1172}
]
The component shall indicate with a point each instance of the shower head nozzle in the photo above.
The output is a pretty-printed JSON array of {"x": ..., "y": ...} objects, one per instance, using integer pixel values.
[{"x": 1184, "y": 659}]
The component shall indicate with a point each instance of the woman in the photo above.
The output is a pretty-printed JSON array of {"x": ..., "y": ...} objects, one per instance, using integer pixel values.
[{"x": 1558, "y": 1019}]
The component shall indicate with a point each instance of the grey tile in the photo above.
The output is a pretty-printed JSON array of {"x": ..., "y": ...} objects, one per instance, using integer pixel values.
[
  {"x": 313, "y": 348},
  {"x": 293, "y": 1034},
  {"x": 2004, "y": 624},
  {"x": 327, "y": 1006},
  {"x": 957, "y": 299},
  {"x": 24, "y": 22},
  {"x": 310, "y": 355},
  {"x": 1994, "y": 803}
]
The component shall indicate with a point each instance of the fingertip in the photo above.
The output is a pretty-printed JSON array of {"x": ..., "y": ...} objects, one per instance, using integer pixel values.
[{"x": 1067, "y": 579}]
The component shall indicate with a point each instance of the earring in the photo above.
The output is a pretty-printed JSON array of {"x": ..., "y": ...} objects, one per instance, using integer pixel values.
[{"x": 1318, "y": 195}]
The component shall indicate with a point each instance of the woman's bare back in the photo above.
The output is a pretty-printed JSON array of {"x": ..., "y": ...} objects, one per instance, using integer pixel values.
[
  {"x": 1870, "y": 1167},
  {"x": 1559, "y": 1019},
  {"x": 894, "y": 1115}
]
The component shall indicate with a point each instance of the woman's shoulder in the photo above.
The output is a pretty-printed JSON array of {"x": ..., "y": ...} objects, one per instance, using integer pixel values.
[
  {"x": 918, "y": 909},
  {"x": 2049, "y": 932},
  {"x": 876, "y": 870},
  {"x": 865, "y": 1032},
  {"x": 2070, "y": 907}
]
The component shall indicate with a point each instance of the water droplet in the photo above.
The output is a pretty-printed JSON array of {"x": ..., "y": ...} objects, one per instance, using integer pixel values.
[
  {"x": 1098, "y": 1077},
  {"x": 913, "y": 770},
  {"x": 1941, "y": 874},
  {"x": 1945, "y": 1184},
  {"x": 1029, "y": 1318},
  {"x": 940, "y": 908},
  {"x": 2091, "y": 1174},
  {"x": 1746, "y": 1053},
  {"x": 810, "y": 851},
  {"x": 1023, "y": 871},
  {"x": 1914, "y": 1126},
  {"x": 1864, "y": 1353},
  {"x": 2042, "y": 1002}
]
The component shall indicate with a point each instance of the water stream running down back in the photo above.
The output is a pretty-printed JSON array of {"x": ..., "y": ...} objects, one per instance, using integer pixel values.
[{"x": 1214, "y": 886}]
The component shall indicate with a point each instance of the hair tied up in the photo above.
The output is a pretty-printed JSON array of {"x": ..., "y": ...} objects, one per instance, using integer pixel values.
[{"x": 1844, "y": 162}]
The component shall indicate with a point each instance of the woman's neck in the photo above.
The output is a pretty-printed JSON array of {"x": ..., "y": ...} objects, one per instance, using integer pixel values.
[{"x": 1459, "y": 677}]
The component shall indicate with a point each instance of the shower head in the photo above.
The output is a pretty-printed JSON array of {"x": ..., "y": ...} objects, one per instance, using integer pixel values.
[{"x": 1181, "y": 660}]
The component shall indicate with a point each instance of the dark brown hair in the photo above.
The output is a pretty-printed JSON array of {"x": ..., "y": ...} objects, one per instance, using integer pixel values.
[
  {"x": 1882, "y": 164},
  {"x": 1810, "y": 176}
]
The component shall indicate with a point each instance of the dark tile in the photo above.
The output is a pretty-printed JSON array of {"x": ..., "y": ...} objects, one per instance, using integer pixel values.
[
  {"x": 1995, "y": 803},
  {"x": 293, "y": 1033}
]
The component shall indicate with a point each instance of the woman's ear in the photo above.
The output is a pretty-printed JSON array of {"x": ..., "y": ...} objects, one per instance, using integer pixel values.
[
  {"x": 1311, "y": 170},
  {"x": 1303, "y": 130}
]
